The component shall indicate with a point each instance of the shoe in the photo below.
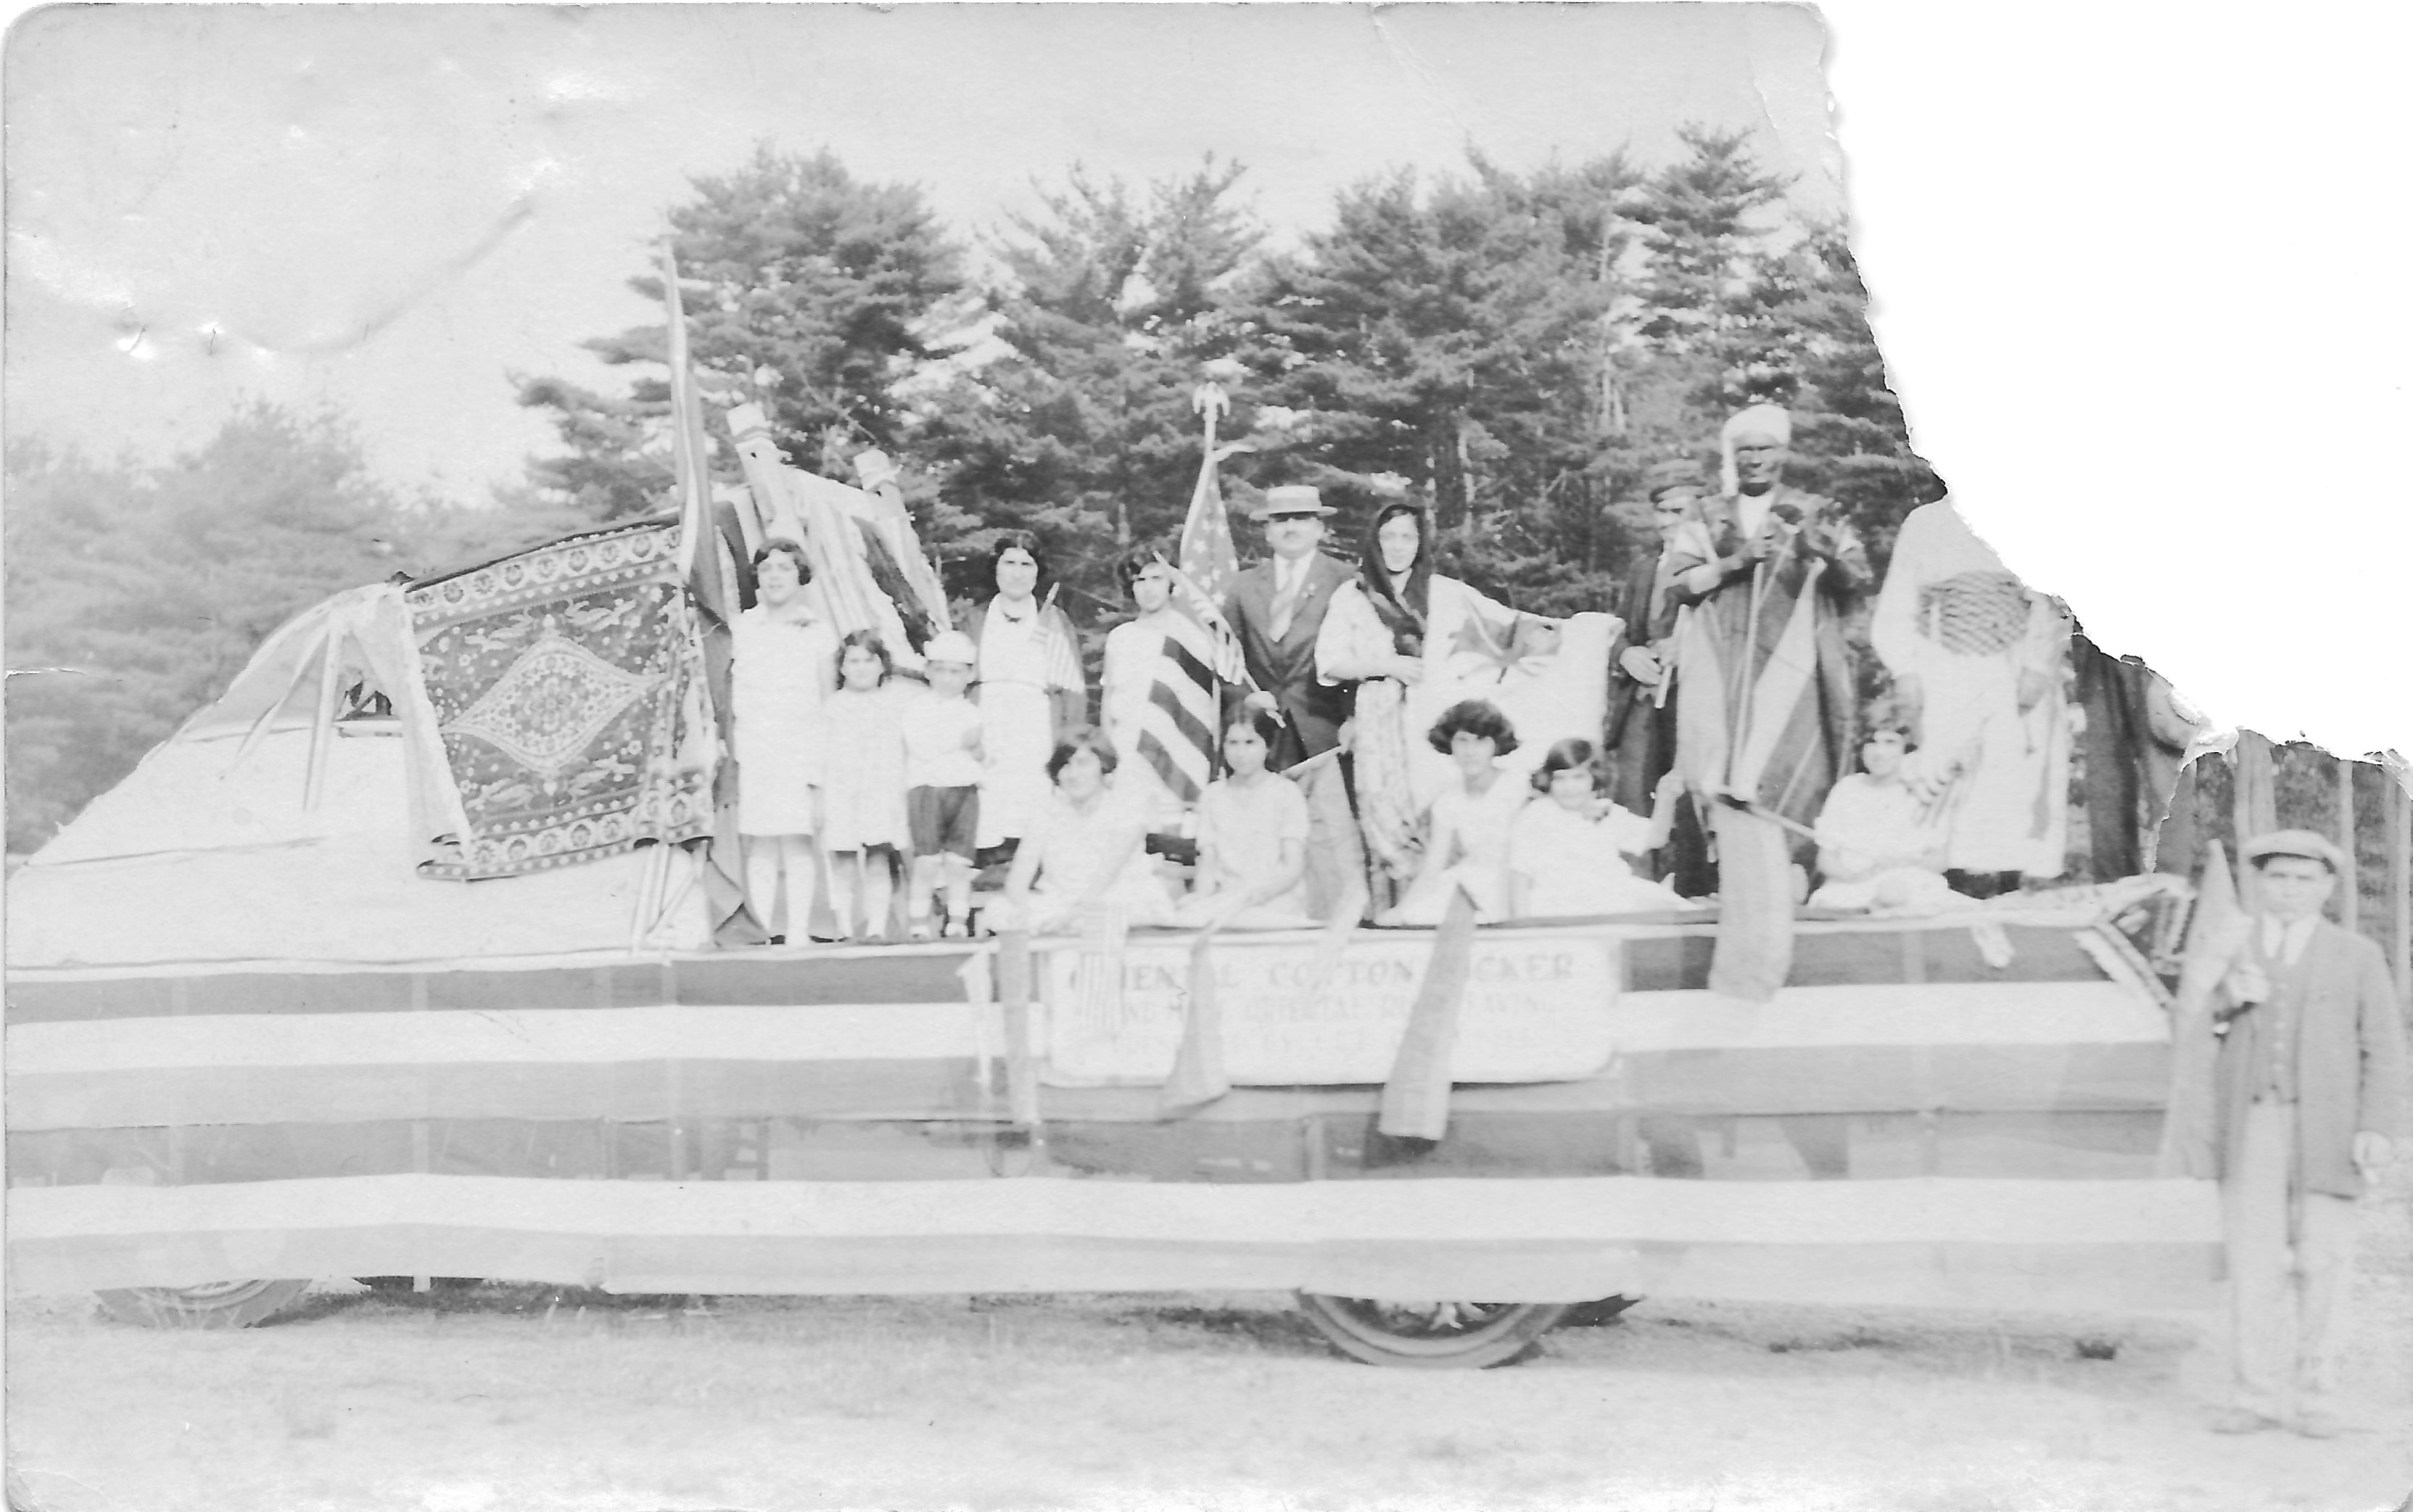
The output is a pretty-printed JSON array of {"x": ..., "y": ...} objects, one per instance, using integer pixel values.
[
  {"x": 2318, "y": 1425},
  {"x": 2241, "y": 1420},
  {"x": 921, "y": 930}
]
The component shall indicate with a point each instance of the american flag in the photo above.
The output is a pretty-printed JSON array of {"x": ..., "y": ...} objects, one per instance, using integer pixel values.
[{"x": 1178, "y": 731}]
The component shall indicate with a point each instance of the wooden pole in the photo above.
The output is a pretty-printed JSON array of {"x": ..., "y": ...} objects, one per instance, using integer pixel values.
[
  {"x": 2256, "y": 807},
  {"x": 2399, "y": 883},
  {"x": 2350, "y": 894}
]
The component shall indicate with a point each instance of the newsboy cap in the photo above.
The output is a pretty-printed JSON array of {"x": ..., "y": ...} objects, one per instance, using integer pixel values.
[{"x": 2297, "y": 842}]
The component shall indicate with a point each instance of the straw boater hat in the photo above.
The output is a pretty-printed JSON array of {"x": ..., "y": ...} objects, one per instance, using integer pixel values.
[
  {"x": 1289, "y": 498},
  {"x": 2296, "y": 842}
]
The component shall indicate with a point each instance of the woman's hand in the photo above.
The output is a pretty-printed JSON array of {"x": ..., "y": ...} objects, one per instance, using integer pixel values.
[{"x": 1409, "y": 670}]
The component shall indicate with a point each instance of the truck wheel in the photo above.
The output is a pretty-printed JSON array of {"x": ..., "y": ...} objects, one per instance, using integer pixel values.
[
  {"x": 226, "y": 1304},
  {"x": 1430, "y": 1336}
]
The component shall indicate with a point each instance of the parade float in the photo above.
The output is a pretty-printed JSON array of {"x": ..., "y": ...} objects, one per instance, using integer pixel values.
[{"x": 417, "y": 954}]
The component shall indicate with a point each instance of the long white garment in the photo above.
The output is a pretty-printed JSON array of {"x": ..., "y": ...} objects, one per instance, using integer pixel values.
[
  {"x": 779, "y": 674},
  {"x": 1953, "y": 616},
  {"x": 1018, "y": 666}
]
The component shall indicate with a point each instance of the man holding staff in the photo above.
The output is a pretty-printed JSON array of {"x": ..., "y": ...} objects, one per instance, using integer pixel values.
[
  {"x": 1641, "y": 731},
  {"x": 1766, "y": 722}
]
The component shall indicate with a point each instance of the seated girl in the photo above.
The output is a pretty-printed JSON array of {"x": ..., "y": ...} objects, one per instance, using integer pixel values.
[
  {"x": 1466, "y": 839},
  {"x": 1567, "y": 852},
  {"x": 1086, "y": 850},
  {"x": 1251, "y": 838},
  {"x": 1877, "y": 848}
]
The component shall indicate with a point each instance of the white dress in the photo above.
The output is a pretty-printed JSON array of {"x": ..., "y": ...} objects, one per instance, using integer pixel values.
[
  {"x": 1469, "y": 842},
  {"x": 1575, "y": 868},
  {"x": 1097, "y": 856},
  {"x": 863, "y": 768},
  {"x": 1244, "y": 829},
  {"x": 1021, "y": 661},
  {"x": 780, "y": 672}
]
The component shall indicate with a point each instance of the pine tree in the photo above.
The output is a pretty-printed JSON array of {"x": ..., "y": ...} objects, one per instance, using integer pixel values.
[{"x": 804, "y": 288}]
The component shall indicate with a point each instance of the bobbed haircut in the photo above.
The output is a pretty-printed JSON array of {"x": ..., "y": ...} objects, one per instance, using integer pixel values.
[
  {"x": 1476, "y": 718},
  {"x": 1262, "y": 722},
  {"x": 1571, "y": 754},
  {"x": 1017, "y": 540},
  {"x": 1130, "y": 564},
  {"x": 793, "y": 550},
  {"x": 1888, "y": 715},
  {"x": 1092, "y": 741},
  {"x": 868, "y": 641}
]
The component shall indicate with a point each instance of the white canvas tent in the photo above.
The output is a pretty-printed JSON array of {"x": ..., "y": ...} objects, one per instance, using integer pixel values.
[{"x": 273, "y": 827}]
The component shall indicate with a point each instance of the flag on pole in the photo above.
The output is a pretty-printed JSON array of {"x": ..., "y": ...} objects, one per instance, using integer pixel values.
[
  {"x": 1178, "y": 737},
  {"x": 712, "y": 588}
]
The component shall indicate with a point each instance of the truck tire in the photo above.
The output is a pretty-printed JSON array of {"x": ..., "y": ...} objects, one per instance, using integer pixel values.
[
  {"x": 1430, "y": 1336},
  {"x": 226, "y": 1304}
]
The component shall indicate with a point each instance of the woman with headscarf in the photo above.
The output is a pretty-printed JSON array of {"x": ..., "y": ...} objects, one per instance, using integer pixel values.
[
  {"x": 1390, "y": 630},
  {"x": 1031, "y": 688}
]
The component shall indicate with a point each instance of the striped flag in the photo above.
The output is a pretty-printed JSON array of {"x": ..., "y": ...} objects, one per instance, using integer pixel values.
[
  {"x": 1177, "y": 735},
  {"x": 516, "y": 1117}
]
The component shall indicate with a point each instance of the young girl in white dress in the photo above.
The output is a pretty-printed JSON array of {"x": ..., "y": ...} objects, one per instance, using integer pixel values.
[
  {"x": 1251, "y": 838},
  {"x": 1086, "y": 851},
  {"x": 782, "y": 662},
  {"x": 1466, "y": 840},
  {"x": 863, "y": 787},
  {"x": 1567, "y": 850}
]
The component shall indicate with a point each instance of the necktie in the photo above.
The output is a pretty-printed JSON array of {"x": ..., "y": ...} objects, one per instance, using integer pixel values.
[{"x": 1285, "y": 599}]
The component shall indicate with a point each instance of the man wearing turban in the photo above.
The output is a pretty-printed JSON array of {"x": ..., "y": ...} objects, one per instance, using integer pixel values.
[{"x": 1765, "y": 722}]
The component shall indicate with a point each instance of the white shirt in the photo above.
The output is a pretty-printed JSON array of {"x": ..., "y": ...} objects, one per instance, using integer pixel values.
[
  {"x": 2286, "y": 942},
  {"x": 1751, "y": 511}
]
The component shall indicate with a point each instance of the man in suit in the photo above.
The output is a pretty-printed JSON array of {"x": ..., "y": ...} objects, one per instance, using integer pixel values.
[
  {"x": 1276, "y": 608},
  {"x": 1640, "y": 732},
  {"x": 2311, "y": 1102}
]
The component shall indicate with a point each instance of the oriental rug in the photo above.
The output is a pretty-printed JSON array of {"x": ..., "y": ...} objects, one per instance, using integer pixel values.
[{"x": 564, "y": 683}]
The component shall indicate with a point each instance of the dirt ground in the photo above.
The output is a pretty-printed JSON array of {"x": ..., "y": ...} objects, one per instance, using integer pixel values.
[{"x": 503, "y": 1398}]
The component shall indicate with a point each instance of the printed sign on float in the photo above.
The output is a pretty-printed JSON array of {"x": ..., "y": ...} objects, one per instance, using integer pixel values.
[{"x": 1537, "y": 1009}]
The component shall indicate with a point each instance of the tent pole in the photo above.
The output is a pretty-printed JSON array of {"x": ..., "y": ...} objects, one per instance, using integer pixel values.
[{"x": 322, "y": 720}]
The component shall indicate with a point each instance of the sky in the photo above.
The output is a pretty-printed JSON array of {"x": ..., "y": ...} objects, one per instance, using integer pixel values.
[
  {"x": 2134, "y": 277},
  {"x": 391, "y": 209}
]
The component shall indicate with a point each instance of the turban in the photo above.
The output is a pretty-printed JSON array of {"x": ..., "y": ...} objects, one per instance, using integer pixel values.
[{"x": 1759, "y": 420}]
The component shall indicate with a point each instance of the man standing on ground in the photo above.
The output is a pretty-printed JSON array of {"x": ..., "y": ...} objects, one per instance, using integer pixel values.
[
  {"x": 2312, "y": 1099},
  {"x": 1769, "y": 573},
  {"x": 1277, "y": 608},
  {"x": 1641, "y": 731}
]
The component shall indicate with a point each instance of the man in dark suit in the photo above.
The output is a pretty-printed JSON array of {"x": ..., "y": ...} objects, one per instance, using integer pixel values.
[
  {"x": 2311, "y": 1104},
  {"x": 1641, "y": 730},
  {"x": 1276, "y": 608}
]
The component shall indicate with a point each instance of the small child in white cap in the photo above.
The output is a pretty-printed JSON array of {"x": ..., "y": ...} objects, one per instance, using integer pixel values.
[{"x": 943, "y": 773}]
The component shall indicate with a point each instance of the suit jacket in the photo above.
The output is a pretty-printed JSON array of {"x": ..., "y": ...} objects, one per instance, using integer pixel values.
[
  {"x": 1312, "y": 712},
  {"x": 2349, "y": 1060}
]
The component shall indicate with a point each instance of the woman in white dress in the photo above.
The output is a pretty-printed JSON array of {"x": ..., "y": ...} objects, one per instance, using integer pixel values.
[
  {"x": 1031, "y": 690},
  {"x": 1391, "y": 632},
  {"x": 1466, "y": 844},
  {"x": 1567, "y": 850},
  {"x": 783, "y": 663}
]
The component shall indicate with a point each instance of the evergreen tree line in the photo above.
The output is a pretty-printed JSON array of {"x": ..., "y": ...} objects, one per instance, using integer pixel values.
[{"x": 1516, "y": 348}]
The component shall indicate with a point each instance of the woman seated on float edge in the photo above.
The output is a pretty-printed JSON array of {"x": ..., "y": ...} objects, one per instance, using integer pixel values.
[
  {"x": 1086, "y": 850},
  {"x": 1251, "y": 838},
  {"x": 1567, "y": 852},
  {"x": 1466, "y": 841}
]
